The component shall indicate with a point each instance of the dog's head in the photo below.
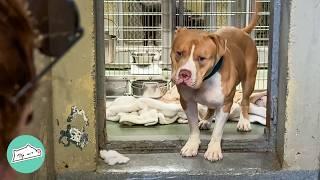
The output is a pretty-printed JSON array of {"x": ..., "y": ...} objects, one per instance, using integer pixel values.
[{"x": 193, "y": 55}]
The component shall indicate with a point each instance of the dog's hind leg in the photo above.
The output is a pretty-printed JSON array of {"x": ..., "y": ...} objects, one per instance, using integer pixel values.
[
  {"x": 247, "y": 88},
  {"x": 206, "y": 121},
  {"x": 247, "y": 83}
]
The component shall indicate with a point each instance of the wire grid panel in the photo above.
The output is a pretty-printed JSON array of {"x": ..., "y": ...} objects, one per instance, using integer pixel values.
[
  {"x": 137, "y": 32},
  {"x": 133, "y": 37}
]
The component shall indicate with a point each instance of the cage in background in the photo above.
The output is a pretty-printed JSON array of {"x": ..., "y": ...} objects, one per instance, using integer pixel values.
[
  {"x": 134, "y": 44},
  {"x": 138, "y": 35}
]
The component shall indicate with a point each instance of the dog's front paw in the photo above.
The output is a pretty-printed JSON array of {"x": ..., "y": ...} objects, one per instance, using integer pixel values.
[
  {"x": 213, "y": 152},
  {"x": 190, "y": 148},
  {"x": 205, "y": 124},
  {"x": 244, "y": 125}
]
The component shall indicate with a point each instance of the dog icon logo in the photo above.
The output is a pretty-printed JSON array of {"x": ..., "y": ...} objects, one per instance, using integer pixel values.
[{"x": 25, "y": 153}]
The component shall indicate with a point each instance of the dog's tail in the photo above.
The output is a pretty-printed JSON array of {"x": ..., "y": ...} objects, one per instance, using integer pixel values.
[{"x": 254, "y": 19}]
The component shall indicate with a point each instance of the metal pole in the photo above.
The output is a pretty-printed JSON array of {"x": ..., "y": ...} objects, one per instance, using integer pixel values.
[
  {"x": 100, "y": 74},
  {"x": 120, "y": 19},
  {"x": 247, "y": 12},
  {"x": 273, "y": 70},
  {"x": 212, "y": 19},
  {"x": 174, "y": 22},
  {"x": 181, "y": 13},
  {"x": 242, "y": 19},
  {"x": 165, "y": 8},
  {"x": 231, "y": 18}
]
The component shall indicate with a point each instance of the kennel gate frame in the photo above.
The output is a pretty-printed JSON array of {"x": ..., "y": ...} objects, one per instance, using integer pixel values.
[{"x": 273, "y": 79}]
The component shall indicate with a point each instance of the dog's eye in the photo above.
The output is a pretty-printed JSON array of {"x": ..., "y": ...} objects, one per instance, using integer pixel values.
[
  {"x": 179, "y": 54},
  {"x": 201, "y": 58}
]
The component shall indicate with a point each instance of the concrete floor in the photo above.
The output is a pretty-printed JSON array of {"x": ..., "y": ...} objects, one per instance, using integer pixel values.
[
  {"x": 172, "y": 162},
  {"x": 239, "y": 166},
  {"x": 117, "y": 132},
  {"x": 171, "y": 138}
]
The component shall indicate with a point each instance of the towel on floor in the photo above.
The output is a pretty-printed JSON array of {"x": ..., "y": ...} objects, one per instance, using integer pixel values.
[
  {"x": 129, "y": 110},
  {"x": 112, "y": 157}
]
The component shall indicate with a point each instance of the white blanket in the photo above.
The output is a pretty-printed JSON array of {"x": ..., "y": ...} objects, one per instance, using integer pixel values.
[
  {"x": 147, "y": 111},
  {"x": 256, "y": 114},
  {"x": 144, "y": 111}
]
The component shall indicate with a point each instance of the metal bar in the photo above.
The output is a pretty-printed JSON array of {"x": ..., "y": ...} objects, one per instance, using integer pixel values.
[
  {"x": 120, "y": 6},
  {"x": 136, "y": 1},
  {"x": 186, "y": 13},
  {"x": 135, "y": 13},
  {"x": 243, "y": 17},
  {"x": 274, "y": 48},
  {"x": 213, "y": 21},
  {"x": 173, "y": 18},
  {"x": 181, "y": 12},
  {"x": 100, "y": 72},
  {"x": 166, "y": 29},
  {"x": 137, "y": 39},
  {"x": 231, "y": 17},
  {"x": 253, "y": 7},
  {"x": 248, "y": 11},
  {"x": 136, "y": 77},
  {"x": 155, "y": 1}
]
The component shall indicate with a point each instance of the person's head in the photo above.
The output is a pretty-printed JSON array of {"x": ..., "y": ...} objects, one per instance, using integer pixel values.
[{"x": 17, "y": 39}]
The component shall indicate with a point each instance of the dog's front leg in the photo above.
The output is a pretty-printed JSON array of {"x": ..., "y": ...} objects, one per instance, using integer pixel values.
[
  {"x": 192, "y": 145},
  {"x": 214, "y": 152}
]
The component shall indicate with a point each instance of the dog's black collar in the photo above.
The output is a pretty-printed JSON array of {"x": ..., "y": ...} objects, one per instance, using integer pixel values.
[{"x": 215, "y": 69}]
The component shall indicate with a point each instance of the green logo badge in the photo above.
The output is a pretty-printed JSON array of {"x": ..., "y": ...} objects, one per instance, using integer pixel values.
[{"x": 26, "y": 154}]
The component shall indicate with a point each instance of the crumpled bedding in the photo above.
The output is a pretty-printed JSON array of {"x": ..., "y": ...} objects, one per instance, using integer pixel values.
[
  {"x": 145, "y": 111},
  {"x": 257, "y": 108},
  {"x": 256, "y": 114}
]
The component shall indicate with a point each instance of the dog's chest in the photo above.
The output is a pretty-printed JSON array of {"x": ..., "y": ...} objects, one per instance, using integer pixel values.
[{"x": 211, "y": 94}]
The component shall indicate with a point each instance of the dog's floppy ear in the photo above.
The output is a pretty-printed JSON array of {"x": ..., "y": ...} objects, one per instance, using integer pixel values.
[{"x": 221, "y": 44}]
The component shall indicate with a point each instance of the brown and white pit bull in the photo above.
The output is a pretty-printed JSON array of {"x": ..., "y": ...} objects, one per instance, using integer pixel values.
[{"x": 207, "y": 67}]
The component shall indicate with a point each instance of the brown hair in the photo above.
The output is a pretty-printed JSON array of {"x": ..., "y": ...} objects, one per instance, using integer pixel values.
[{"x": 17, "y": 39}]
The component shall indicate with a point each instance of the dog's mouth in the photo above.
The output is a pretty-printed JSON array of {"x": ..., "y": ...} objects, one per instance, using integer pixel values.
[{"x": 183, "y": 82}]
